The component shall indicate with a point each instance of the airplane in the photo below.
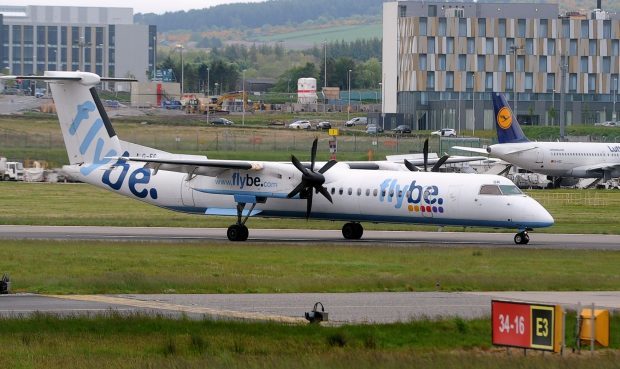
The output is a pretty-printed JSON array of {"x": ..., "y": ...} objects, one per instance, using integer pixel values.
[
  {"x": 250, "y": 188},
  {"x": 555, "y": 159}
]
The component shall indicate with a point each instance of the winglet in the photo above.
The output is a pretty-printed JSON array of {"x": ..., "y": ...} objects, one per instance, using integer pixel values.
[{"x": 506, "y": 124}]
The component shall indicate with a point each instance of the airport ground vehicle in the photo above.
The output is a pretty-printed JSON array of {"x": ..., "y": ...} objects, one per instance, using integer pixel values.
[
  {"x": 373, "y": 129},
  {"x": 402, "y": 129},
  {"x": 11, "y": 170},
  {"x": 323, "y": 125},
  {"x": 300, "y": 124},
  {"x": 357, "y": 121},
  {"x": 219, "y": 121},
  {"x": 171, "y": 104},
  {"x": 444, "y": 132}
]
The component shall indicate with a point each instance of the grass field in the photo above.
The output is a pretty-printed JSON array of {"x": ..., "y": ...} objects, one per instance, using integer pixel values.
[
  {"x": 575, "y": 211},
  {"x": 94, "y": 267},
  {"x": 114, "y": 341}
]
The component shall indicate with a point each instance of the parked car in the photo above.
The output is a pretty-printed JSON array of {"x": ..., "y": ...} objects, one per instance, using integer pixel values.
[
  {"x": 39, "y": 92},
  {"x": 445, "y": 132},
  {"x": 111, "y": 104},
  {"x": 171, "y": 104},
  {"x": 357, "y": 121},
  {"x": 300, "y": 124},
  {"x": 324, "y": 125},
  {"x": 402, "y": 129},
  {"x": 373, "y": 129},
  {"x": 608, "y": 124},
  {"x": 222, "y": 122}
]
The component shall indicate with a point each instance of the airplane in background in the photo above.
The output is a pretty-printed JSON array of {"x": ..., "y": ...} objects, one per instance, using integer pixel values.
[
  {"x": 555, "y": 159},
  {"x": 196, "y": 184}
]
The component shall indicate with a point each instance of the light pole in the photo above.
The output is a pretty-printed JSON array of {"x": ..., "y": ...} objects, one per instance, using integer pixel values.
[
  {"x": 553, "y": 105},
  {"x": 154, "y": 57},
  {"x": 179, "y": 46},
  {"x": 325, "y": 71},
  {"x": 514, "y": 49},
  {"x": 215, "y": 88},
  {"x": 208, "y": 96},
  {"x": 473, "y": 102},
  {"x": 349, "y": 83},
  {"x": 243, "y": 99},
  {"x": 615, "y": 86},
  {"x": 81, "y": 44}
]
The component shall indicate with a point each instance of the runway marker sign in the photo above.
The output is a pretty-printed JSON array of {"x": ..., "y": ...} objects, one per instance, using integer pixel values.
[{"x": 525, "y": 325}]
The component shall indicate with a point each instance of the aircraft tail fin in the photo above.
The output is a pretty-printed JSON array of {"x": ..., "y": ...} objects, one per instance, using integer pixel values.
[{"x": 506, "y": 124}]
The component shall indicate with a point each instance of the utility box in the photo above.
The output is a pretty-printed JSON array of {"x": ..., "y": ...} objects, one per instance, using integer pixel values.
[{"x": 601, "y": 326}]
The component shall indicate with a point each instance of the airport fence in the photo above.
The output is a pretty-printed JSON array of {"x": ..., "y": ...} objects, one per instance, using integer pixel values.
[{"x": 583, "y": 198}]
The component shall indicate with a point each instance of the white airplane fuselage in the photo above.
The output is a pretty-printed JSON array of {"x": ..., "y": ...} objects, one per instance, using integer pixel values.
[
  {"x": 358, "y": 195},
  {"x": 561, "y": 159}
]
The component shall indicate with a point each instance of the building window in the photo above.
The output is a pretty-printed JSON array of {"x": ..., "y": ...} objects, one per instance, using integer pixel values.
[
  {"x": 606, "y": 29},
  {"x": 510, "y": 81},
  {"x": 482, "y": 27},
  {"x": 423, "y": 27},
  {"x": 442, "y": 61},
  {"x": 585, "y": 29},
  {"x": 488, "y": 81},
  {"x": 490, "y": 46},
  {"x": 510, "y": 42},
  {"x": 591, "y": 82},
  {"x": 422, "y": 62},
  {"x": 550, "y": 46},
  {"x": 529, "y": 46},
  {"x": 431, "y": 45},
  {"x": 463, "y": 27},
  {"x": 529, "y": 82},
  {"x": 430, "y": 80},
  {"x": 462, "y": 62},
  {"x": 402, "y": 11},
  {"x": 41, "y": 41},
  {"x": 606, "y": 64},
  {"x": 544, "y": 29},
  {"x": 542, "y": 64},
  {"x": 592, "y": 47},
  {"x": 502, "y": 27},
  {"x": 565, "y": 28},
  {"x": 450, "y": 45},
  {"x": 432, "y": 10},
  {"x": 469, "y": 83},
  {"x": 615, "y": 47},
  {"x": 471, "y": 45},
  {"x": 481, "y": 63},
  {"x": 449, "y": 81},
  {"x": 521, "y": 27},
  {"x": 520, "y": 63},
  {"x": 573, "y": 47},
  {"x": 572, "y": 82},
  {"x": 501, "y": 63},
  {"x": 584, "y": 64},
  {"x": 550, "y": 82},
  {"x": 441, "y": 31}
]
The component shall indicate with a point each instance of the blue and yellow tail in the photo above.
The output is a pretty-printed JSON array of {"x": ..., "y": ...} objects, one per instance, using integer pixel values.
[{"x": 506, "y": 124}]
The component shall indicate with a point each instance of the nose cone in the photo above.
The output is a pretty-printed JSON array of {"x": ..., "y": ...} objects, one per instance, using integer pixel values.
[{"x": 538, "y": 216}]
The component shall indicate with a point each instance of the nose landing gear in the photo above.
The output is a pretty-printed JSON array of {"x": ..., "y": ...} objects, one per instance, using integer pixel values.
[{"x": 522, "y": 238}]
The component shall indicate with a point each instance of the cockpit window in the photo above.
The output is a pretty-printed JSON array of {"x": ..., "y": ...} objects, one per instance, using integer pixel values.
[
  {"x": 510, "y": 190},
  {"x": 490, "y": 190}
]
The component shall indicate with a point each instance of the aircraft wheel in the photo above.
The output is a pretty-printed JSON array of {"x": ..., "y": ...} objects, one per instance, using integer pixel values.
[
  {"x": 352, "y": 231},
  {"x": 522, "y": 238},
  {"x": 237, "y": 232}
]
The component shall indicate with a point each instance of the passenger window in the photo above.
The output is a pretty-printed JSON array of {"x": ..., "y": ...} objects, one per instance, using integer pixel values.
[
  {"x": 368, "y": 192},
  {"x": 333, "y": 190},
  {"x": 490, "y": 190},
  {"x": 350, "y": 191},
  {"x": 359, "y": 192},
  {"x": 341, "y": 191},
  {"x": 374, "y": 192}
]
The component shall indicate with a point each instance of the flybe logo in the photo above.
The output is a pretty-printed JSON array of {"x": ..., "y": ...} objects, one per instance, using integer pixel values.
[
  {"x": 138, "y": 179},
  {"x": 422, "y": 199},
  {"x": 91, "y": 139},
  {"x": 614, "y": 148}
]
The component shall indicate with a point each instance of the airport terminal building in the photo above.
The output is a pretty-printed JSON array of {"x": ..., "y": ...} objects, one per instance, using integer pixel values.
[
  {"x": 442, "y": 61},
  {"x": 64, "y": 38}
]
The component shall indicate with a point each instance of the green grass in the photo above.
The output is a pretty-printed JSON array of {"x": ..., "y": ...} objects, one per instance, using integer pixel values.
[
  {"x": 575, "y": 211},
  {"x": 114, "y": 341},
  {"x": 93, "y": 267}
]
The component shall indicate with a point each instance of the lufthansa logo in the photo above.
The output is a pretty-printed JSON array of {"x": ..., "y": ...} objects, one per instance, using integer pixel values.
[{"x": 504, "y": 118}]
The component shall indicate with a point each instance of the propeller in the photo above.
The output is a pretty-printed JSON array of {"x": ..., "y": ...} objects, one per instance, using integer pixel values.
[
  {"x": 412, "y": 167},
  {"x": 311, "y": 180}
]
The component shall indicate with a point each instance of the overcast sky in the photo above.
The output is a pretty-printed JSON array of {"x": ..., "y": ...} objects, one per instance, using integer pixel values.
[{"x": 139, "y": 6}]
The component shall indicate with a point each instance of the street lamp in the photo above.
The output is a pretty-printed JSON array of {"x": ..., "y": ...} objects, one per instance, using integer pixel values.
[
  {"x": 473, "y": 102},
  {"x": 81, "y": 44},
  {"x": 325, "y": 71},
  {"x": 553, "y": 105},
  {"x": 208, "y": 96},
  {"x": 514, "y": 50},
  {"x": 154, "y": 57},
  {"x": 615, "y": 86},
  {"x": 349, "y": 83},
  {"x": 243, "y": 99},
  {"x": 215, "y": 89},
  {"x": 179, "y": 46}
]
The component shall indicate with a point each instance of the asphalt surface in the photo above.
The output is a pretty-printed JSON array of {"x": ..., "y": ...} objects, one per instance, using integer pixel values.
[{"x": 305, "y": 236}]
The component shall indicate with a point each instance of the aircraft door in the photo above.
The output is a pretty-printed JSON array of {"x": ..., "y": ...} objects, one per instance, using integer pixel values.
[
  {"x": 540, "y": 157},
  {"x": 187, "y": 193}
]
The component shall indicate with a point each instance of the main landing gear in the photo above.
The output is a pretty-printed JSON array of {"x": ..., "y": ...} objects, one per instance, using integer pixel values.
[
  {"x": 522, "y": 238},
  {"x": 238, "y": 231},
  {"x": 352, "y": 231}
]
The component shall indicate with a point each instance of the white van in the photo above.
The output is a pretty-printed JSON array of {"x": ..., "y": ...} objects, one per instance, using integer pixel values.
[{"x": 358, "y": 121}]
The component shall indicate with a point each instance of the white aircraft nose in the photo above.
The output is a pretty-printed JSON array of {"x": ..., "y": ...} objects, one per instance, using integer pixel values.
[{"x": 541, "y": 216}]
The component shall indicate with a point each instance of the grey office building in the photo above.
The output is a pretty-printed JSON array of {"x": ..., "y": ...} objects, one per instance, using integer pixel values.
[
  {"x": 443, "y": 60},
  {"x": 105, "y": 41}
]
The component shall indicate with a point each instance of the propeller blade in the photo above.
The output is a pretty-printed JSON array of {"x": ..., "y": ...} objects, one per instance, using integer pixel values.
[
  {"x": 410, "y": 166},
  {"x": 325, "y": 193},
  {"x": 313, "y": 153},
  {"x": 327, "y": 166},
  {"x": 439, "y": 163},
  {"x": 309, "y": 205},
  {"x": 425, "y": 153},
  {"x": 298, "y": 165},
  {"x": 296, "y": 190}
]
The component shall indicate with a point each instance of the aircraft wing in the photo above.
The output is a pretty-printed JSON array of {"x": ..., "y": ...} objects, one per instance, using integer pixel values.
[
  {"x": 471, "y": 149},
  {"x": 206, "y": 167},
  {"x": 597, "y": 168}
]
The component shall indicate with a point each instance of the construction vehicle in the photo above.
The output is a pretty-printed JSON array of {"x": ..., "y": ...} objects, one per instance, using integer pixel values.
[
  {"x": 225, "y": 103},
  {"x": 11, "y": 170}
]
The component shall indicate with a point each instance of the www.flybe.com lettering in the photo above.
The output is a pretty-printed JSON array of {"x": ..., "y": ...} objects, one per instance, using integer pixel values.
[{"x": 238, "y": 180}]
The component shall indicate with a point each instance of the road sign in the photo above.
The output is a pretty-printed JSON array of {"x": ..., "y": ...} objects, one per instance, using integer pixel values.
[{"x": 524, "y": 325}]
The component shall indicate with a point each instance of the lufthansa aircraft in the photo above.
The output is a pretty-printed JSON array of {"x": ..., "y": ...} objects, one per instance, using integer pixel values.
[
  {"x": 334, "y": 191},
  {"x": 555, "y": 159}
]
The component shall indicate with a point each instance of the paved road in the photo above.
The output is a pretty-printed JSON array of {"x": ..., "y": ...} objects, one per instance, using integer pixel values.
[
  {"x": 381, "y": 307},
  {"x": 302, "y": 236}
]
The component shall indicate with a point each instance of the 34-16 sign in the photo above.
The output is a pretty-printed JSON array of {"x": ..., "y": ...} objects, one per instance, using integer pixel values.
[{"x": 532, "y": 326}]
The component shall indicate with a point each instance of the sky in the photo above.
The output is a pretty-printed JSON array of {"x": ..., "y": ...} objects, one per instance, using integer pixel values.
[{"x": 139, "y": 6}]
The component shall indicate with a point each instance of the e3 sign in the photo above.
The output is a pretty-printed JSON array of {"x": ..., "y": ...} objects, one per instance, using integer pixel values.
[{"x": 524, "y": 325}]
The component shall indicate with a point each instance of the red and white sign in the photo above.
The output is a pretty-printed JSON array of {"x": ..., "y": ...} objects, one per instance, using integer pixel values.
[{"x": 511, "y": 324}]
